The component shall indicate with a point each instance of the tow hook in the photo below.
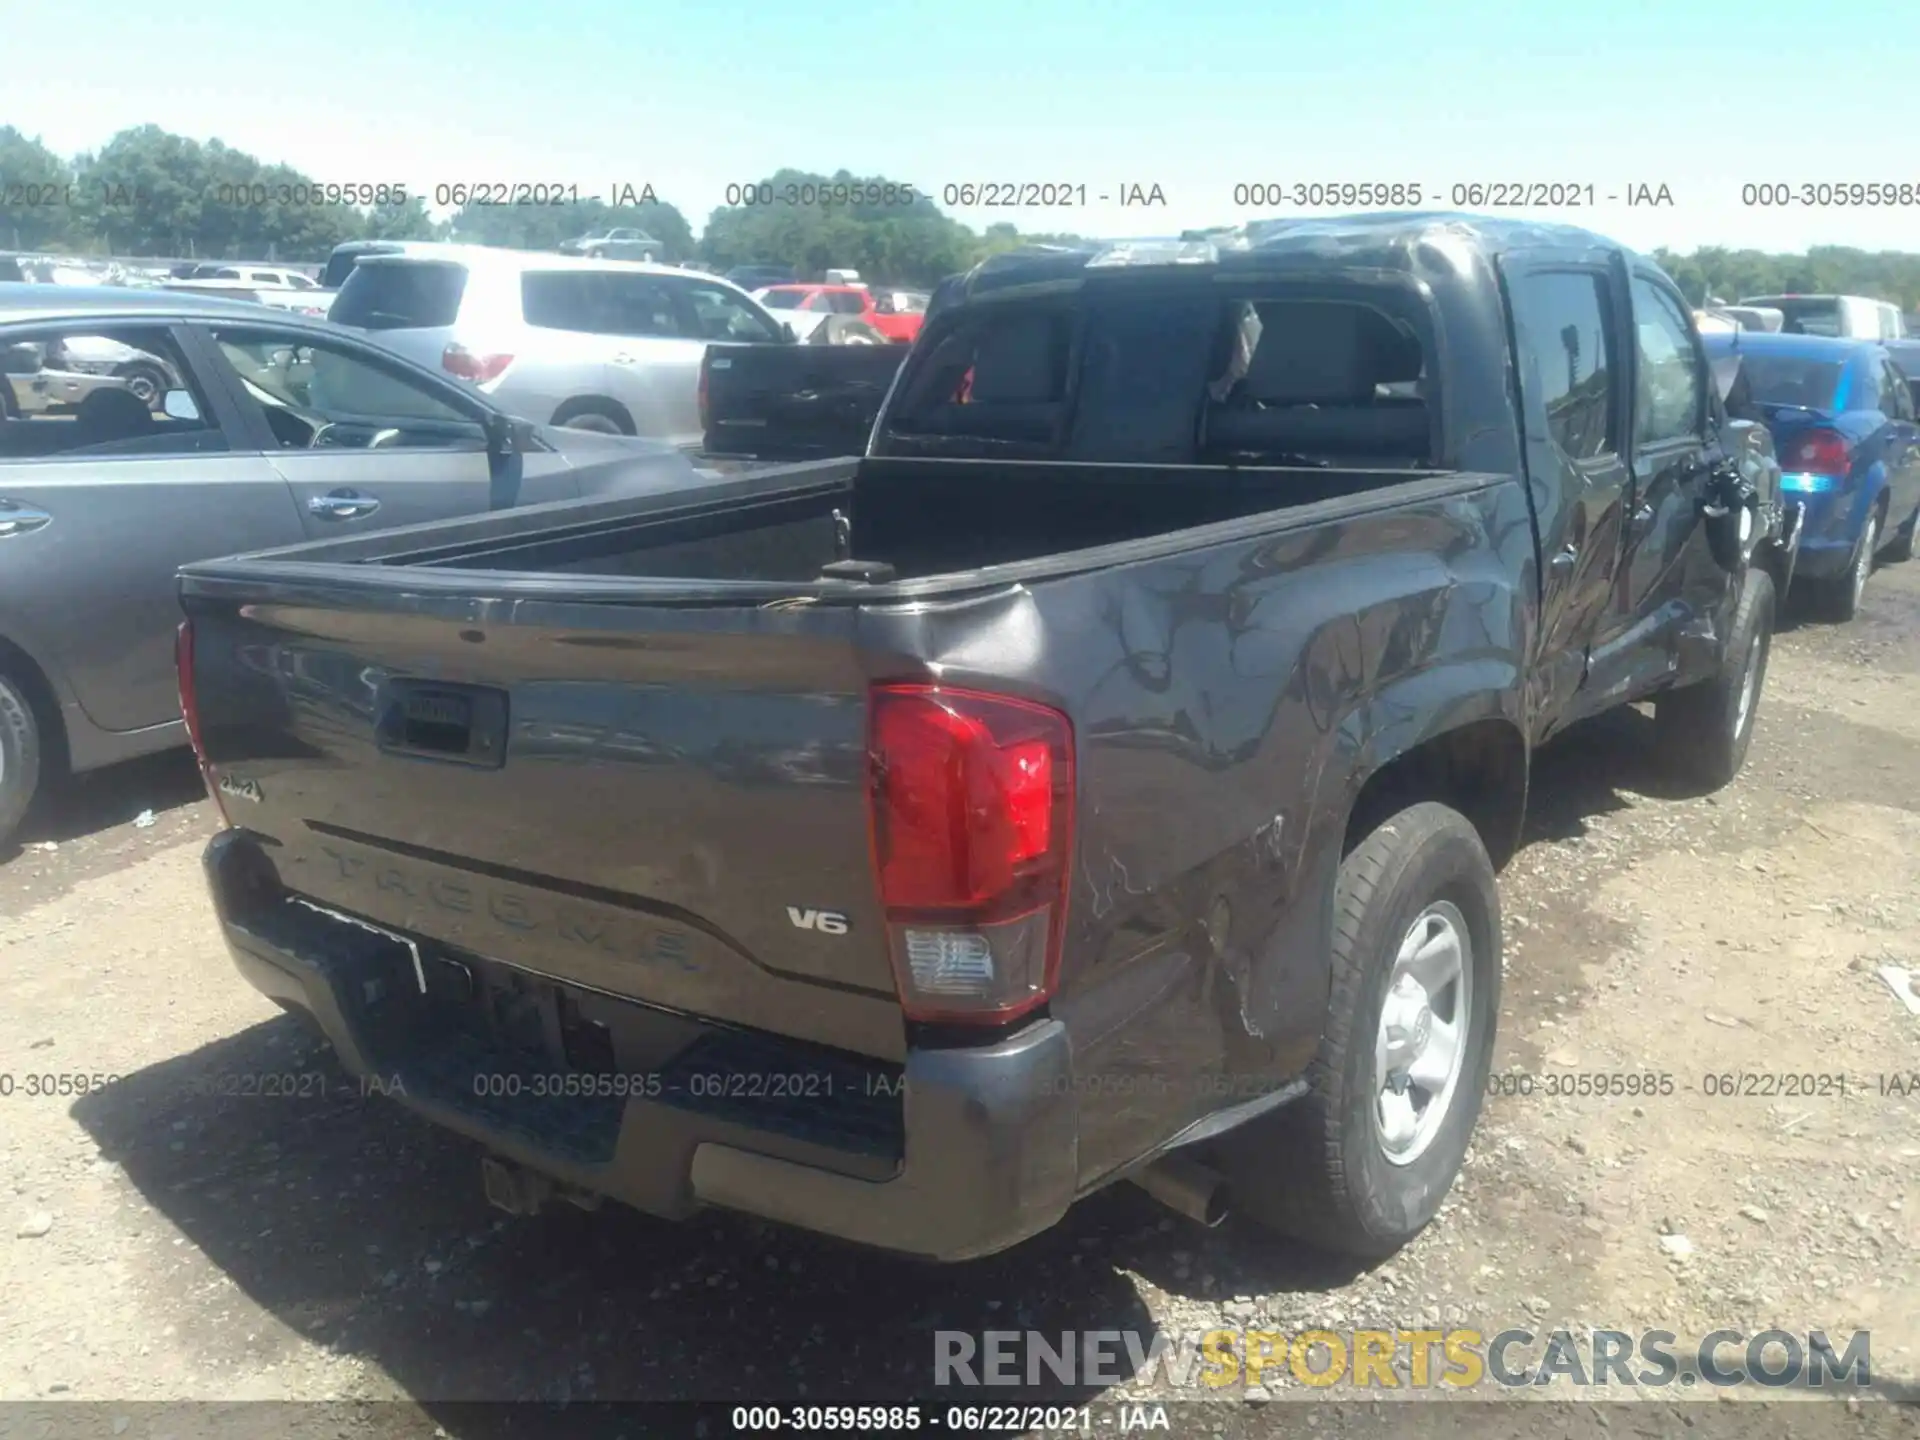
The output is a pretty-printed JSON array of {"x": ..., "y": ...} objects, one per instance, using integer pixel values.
[{"x": 520, "y": 1191}]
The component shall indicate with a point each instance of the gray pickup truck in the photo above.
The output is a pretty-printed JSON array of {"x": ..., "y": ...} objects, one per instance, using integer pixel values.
[{"x": 1103, "y": 778}]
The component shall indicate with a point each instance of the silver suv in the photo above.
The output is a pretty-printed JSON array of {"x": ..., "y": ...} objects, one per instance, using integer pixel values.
[{"x": 588, "y": 344}]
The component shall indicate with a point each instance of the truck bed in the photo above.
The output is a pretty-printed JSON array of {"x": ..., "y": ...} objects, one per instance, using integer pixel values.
[{"x": 925, "y": 518}]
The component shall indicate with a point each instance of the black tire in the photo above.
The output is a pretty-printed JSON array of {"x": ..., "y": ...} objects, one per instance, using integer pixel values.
[
  {"x": 599, "y": 421},
  {"x": 1317, "y": 1169},
  {"x": 1840, "y": 597},
  {"x": 20, "y": 752},
  {"x": 1703, "y": 730},
  {"x": 1900, "y": 549},
  {"x": 148, "y": 382}
]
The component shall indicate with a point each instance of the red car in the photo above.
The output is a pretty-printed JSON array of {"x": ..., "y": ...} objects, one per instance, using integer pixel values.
[{"x": 895, "y": 314}]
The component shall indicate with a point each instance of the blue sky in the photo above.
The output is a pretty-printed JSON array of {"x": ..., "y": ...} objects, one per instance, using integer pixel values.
[{"x": 1195, "y": 97}]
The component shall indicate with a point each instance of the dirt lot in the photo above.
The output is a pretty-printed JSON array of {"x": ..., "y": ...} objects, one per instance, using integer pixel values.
[{"x": 162, "y": 1242}]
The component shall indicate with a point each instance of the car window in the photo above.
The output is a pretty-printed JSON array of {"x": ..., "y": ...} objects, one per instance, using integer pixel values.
[
  {"x": 1894, "y": 395},
  {"x": 120, "y": 391},
  {"x": 400, "y": 295},
  {"x": 1809, "y": 315},
  {"x": 299, "y": 282},
  {"x": 1667, "y": 401},
  {"x": 318, "y": 395},
  {"x": 842, "y": 302},
  {"x": 642, "y": 305},
  {"x": 783, "y": 299},
  {"x": 1864, "y": 391},
  {"x": 1566, "y": 358},
  {"x": 1804, "y": 381},
  {"x": 716, "y": 313}
]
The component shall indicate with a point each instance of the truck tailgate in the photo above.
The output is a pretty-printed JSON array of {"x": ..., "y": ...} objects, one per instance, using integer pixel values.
[{"x": 654, "y": 802}]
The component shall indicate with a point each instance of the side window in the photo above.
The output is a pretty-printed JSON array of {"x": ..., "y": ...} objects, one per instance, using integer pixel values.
[
  {"x": 640, "y": 305},
  {"x": 572, "y": 300},
  {"x": 320, "y": 396},
  {"x": 122, "y": 391},
  {"x": 1865, "y": 394},
  {"x": 1894, "y": 393},
  {"x": 1562, "y": 324},
  {"x": 718, "y": 314},
  {"x": 844, "y": 302},
  {"x": 1667, "y": 399}
]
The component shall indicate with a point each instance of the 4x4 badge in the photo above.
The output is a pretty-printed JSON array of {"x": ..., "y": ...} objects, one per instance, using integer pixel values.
[{"x": 240, "y": 789}]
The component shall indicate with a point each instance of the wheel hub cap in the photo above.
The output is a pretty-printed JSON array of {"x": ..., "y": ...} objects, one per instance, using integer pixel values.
[{"x": 1421, "y": 1048}]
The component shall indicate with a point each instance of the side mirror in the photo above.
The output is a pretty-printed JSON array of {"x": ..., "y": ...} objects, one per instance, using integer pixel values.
[
  {"x": 178, "y": 405},
  {"x": 20, "y": 360}
]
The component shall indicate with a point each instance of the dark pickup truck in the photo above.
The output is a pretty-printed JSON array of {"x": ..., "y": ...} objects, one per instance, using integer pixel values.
[{"x": 1102, "y": 778}]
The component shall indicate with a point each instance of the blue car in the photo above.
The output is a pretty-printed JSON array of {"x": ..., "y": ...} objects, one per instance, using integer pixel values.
[{"x": 1843, "y": 424}]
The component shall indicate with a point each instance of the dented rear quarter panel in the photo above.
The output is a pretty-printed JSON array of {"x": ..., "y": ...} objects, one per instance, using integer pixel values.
[{"x": 1228, "y": 703}]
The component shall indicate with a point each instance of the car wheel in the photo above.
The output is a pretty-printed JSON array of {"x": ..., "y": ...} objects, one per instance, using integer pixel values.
[
  {"x": 1844, "y": 592},
  {"x": 1702, "y": 731},
  {"x": 147, "y": 382},
  {"x": 1361, "y": 1163},
  {"x": 19, "y": 757},
  {"x": 592, "y": 420}
]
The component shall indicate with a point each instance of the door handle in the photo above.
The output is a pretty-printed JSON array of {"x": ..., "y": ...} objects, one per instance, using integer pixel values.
[
  {"x": 1643, "y": 517},
  {"x": 342, "y": 505},
  {"x": 625, "y": 359},
  {"x": 1564, "y": 561},
  {"x": 18, "y": 519}
]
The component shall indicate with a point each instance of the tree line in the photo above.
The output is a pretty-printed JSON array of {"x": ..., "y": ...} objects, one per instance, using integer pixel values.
[{"x": 148, "y": 191}]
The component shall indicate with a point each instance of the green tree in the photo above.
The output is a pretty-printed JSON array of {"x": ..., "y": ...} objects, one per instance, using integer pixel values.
[{"x": 36, "y": 193}]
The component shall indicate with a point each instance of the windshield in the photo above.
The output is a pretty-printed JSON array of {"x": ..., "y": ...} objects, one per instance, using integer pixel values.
[
  {"x": 1791, "y": 380},
  {"x": 409, "y": 295},
  {"x": 783, "y": 299}
]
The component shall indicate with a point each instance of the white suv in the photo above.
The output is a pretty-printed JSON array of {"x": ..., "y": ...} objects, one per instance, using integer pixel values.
[{"x": 591, "y": 344}]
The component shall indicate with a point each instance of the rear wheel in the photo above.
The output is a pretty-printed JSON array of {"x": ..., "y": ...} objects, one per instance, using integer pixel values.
[
  {"x": 1703, "y": 730},
  {"x": 147, "y": 382},
  {"x": 589, "y": 415},
  {"x": 20, "y": 751},
  {"x": 1361, "y": 1163},
  {"x": 1844, "y": 592}
]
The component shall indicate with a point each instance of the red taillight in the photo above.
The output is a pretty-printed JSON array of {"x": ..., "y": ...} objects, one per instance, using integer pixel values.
[
  {"x": 700, "y": 393},
  {"x": 457, "y": 360},
  {"x": 971, "y": 798},
  {"x": 190, "y": 713},
  {"x": 1818, "y": 452}
]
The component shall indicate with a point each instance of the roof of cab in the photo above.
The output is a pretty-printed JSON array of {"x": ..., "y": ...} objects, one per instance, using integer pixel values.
[{"x": 1379, "y": 240}]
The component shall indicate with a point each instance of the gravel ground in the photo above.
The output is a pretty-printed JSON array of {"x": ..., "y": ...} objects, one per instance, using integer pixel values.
[{"x": 165, "y": 1242}]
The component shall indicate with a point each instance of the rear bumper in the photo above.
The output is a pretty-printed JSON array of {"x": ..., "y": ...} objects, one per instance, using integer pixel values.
[{"x": 958, "y": 1153}]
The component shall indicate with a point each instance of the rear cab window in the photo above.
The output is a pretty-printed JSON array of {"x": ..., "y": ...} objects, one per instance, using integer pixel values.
[
  {"x": 1809, "y": 315},
  {"x": 1177, "y": 373},
  {"x": 400, "y": 295}
]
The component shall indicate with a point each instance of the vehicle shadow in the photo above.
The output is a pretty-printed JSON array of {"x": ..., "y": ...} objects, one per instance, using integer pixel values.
[
  {"x": 83, "y": 805},
  {"x": 363, "y": 1227},
  {"x": 1591, "y": 768}
]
